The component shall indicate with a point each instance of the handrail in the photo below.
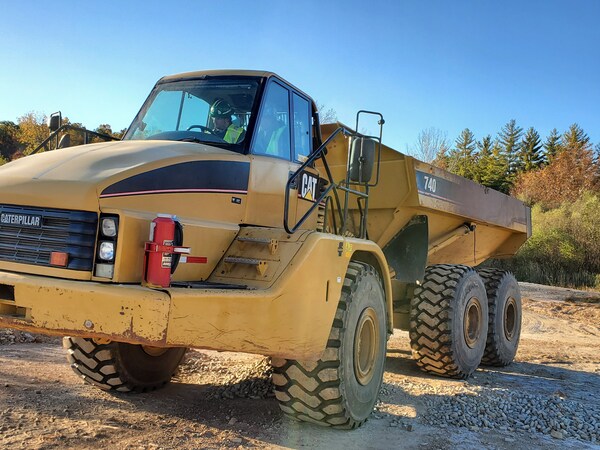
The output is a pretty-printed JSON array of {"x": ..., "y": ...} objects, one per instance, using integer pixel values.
[
  {"x": 72, "y": 127},
  {"x": 343, "y": 185},
  {"x": 312, "y": 158}
]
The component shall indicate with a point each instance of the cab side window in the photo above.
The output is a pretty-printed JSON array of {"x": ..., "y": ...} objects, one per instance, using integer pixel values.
[
  {"x": 272, "y": 135},
  {"x": 302, "y": 128}
]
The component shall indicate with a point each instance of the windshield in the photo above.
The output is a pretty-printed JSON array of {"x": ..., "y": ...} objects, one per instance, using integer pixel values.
[{"x": 214, "y": 110}]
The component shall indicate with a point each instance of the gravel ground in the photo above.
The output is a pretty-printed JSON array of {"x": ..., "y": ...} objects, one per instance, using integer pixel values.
[{"x": 549, "y": 398}]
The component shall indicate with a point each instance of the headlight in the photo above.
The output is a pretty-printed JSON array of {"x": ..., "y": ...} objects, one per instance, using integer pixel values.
[
  {"x": 109, "y": 227},
  {"x": 106, "y": 251}
]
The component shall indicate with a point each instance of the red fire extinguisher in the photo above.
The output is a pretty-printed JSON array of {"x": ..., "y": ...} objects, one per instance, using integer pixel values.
[{"x": 163, "y": 250}]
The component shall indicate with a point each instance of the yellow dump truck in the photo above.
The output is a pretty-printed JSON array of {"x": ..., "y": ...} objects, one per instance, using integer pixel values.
[{"x": 302, "y": 242}]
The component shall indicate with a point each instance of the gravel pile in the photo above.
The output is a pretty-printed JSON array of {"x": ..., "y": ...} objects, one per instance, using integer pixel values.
[
  {"x": 8, "y": 337},
  {"x": 252, "y": 380},
  {"x": 514, "y": 411}
]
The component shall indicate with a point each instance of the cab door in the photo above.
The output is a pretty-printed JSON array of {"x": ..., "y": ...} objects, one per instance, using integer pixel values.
[
  {"x": 271, "y": 151},
  {"x": 281, "y": 142},
  {"x": 308, "y": 182}
]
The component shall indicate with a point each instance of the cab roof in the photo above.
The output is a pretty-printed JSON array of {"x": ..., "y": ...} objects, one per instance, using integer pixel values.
[
  {"x": 213, "y": 73},
  {"x": 230, "y": 72}
]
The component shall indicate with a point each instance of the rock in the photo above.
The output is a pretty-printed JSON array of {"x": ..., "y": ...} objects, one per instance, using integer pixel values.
[
  {"x": 236, "y": 440},
  {"x": 556, "y": 434},
  {"x": 232, "y": 421}
]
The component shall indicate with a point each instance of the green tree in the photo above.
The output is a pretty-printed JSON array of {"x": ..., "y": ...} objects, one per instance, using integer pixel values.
[
  {"x": 494, "y": 169},
  {"x": 483, "y": 158},
  {"x": 463, "y": 159},
  {"x": 510, "y": 140},
  {"x": 530, "y": 156},
  {"x": 9, "y": 139},
  {"x": 575, "y": 139},
  {"x": 553, "y": 145},
  {"x": 485, "y": 145}
]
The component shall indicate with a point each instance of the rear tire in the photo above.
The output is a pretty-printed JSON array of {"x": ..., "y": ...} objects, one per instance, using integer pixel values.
[
  {"x": 341, "y": 389},
  {"x": 122, "y": 367},
  {"x": 504, "y": 327},
  {"x": 449, "y": 321}
]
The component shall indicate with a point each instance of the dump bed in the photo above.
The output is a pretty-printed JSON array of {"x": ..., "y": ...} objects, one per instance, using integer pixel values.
[{"x": 408, "y": 188}]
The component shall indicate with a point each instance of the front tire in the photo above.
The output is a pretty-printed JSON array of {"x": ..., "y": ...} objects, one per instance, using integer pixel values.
[
  {"x": 122, "y": 367},
  {"x": 341, "y": 389},
  {"x": 449, "y": 321}
]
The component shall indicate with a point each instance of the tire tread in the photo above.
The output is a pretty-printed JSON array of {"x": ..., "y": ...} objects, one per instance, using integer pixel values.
[
  {"x": 430, "y": 320},
  {"x": 315, "y": 390}
]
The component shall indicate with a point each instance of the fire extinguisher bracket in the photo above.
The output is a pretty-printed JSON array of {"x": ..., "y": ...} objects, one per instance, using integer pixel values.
[{"x": 153, "y": 247}]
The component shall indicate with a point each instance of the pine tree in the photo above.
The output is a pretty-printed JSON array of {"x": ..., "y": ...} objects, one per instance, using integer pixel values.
[
  {"x": 483, "y": 158},
  {"x": 494, "y": 169},
  {"x": 510, "y": 140},
  {"x": 462, "y": 160},
  {"x": 485, "y": 145},
  {"x": 575, "y": 139},
  {"x": 530, "y": 156},
  {"x": 552, "y": 145}
]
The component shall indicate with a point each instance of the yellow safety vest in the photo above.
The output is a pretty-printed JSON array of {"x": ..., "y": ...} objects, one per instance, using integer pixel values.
[
  {"x": 232, "y": 134},
  {"x": 272, "y": 148}
]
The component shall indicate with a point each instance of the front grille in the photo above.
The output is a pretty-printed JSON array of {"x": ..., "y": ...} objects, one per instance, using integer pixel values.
[{"x": 72, "y": 232}]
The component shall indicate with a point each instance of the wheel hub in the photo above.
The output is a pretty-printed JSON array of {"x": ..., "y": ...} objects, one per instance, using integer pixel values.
[
  {"x": 154, "y": 351},
  {"x": 366, "y": 343},
  {"x": 510, "y": 318},
  {"x": 472, "y": 322}
]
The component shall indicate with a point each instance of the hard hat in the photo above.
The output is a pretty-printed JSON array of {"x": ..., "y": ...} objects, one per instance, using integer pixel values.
[{"x": 221, "y": 108}]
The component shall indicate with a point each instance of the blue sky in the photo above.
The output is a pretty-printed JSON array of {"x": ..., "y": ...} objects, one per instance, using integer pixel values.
[{"x": 443, "y": 64}]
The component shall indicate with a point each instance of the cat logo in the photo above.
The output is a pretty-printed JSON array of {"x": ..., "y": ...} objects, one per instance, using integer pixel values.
[{"x": 308, "y": 187}]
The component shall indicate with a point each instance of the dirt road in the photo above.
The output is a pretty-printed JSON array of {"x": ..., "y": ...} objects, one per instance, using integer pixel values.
[{"x": 221, "y": 400}]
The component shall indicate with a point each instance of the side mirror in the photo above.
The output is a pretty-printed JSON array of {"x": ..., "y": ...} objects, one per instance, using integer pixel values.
[
  {"x": 362, "y": 160},
  {"x": 54, "y": 121}
]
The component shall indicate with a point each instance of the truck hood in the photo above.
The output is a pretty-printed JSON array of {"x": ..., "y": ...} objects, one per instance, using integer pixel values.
[{"x": 78, "y": 175}]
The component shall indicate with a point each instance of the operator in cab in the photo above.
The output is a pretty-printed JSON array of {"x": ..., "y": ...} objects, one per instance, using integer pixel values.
[{"x": 221, "y": 113}]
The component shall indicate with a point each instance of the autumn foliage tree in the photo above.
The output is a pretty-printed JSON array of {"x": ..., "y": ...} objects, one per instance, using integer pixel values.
[
  {"x": 32, "y": 130},
  {"x": 571, "y": 173}
]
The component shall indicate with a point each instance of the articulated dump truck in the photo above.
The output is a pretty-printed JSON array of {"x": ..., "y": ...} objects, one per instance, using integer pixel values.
[{"x": 228, "y": 218}]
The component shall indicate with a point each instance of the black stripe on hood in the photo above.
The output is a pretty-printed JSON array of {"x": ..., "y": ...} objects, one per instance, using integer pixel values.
[{"x": 216, "y": 176}]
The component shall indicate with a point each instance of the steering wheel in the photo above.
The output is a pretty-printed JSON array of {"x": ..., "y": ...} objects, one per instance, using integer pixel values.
[{"x": 202, "y": 128}]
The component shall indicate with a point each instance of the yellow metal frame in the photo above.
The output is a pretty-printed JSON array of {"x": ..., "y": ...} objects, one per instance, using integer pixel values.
[{"x": 291, "y": 319}]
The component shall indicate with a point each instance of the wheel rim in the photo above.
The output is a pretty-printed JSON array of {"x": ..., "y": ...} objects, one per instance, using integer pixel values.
[
  {"x": 472, "y": 322},
  {"x": 154, "y": 351},
  {"x": 366, "y": 342},
  {"x": 510, "y": 318}
]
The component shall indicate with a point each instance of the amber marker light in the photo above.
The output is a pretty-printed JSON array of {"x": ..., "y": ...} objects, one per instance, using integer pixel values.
[{"x": 59, "y": 259}]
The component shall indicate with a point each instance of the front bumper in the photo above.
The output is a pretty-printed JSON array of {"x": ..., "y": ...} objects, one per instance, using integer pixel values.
[
  {"x": 83, "y": 308},
  {"x": 292, "y": 319}
]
